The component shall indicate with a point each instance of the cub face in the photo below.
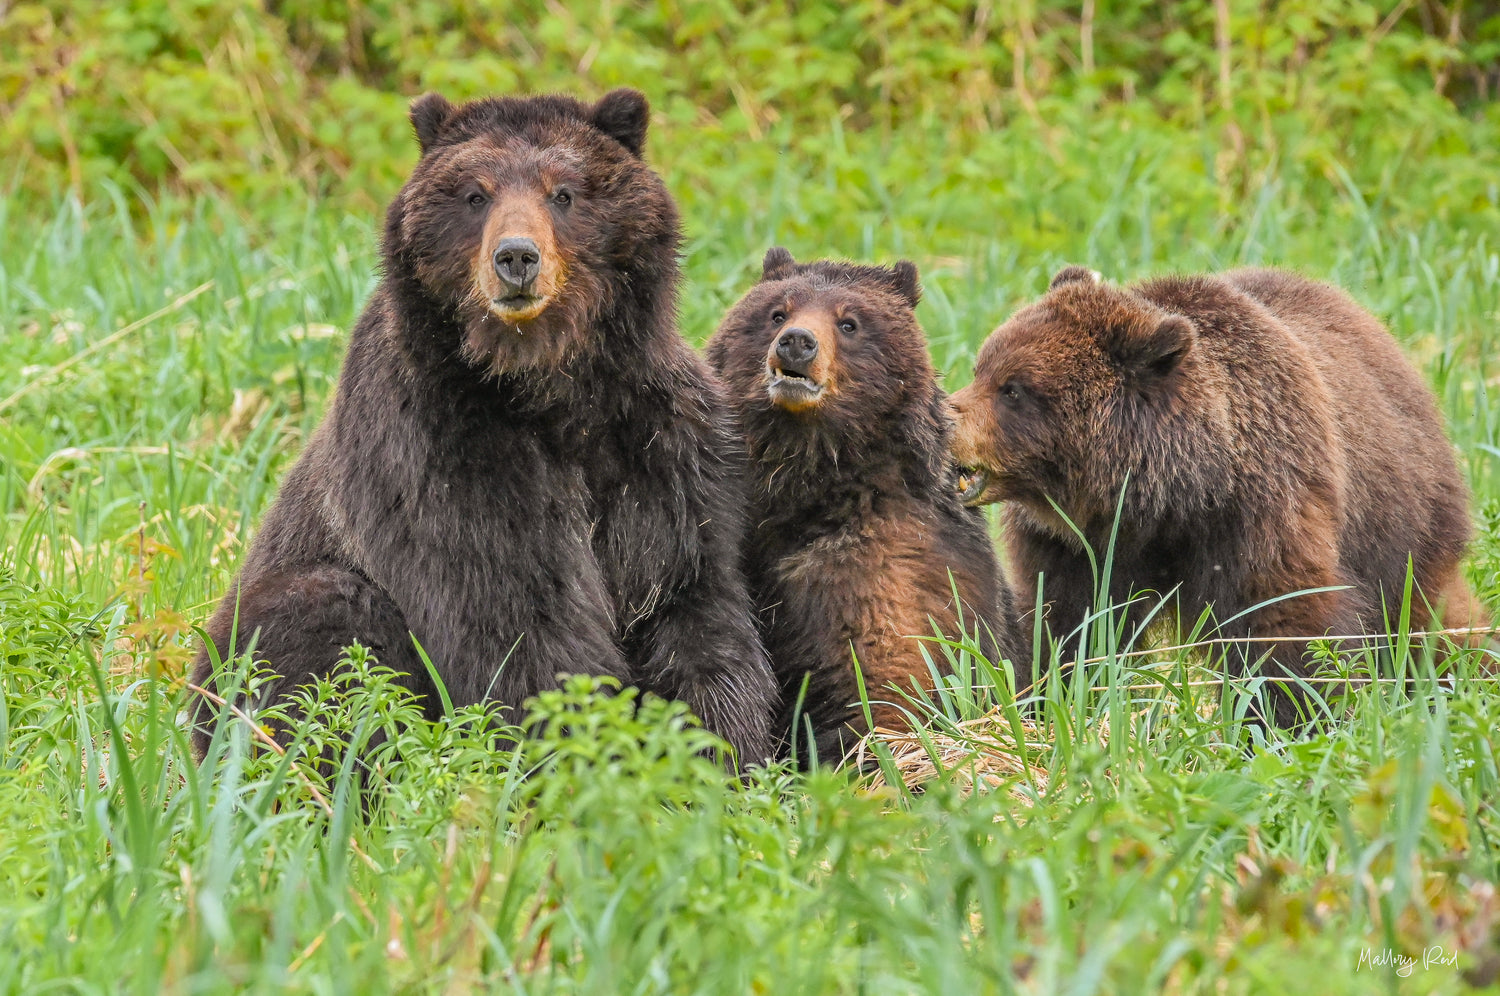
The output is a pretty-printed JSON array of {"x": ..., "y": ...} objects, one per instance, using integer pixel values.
[
  {"x": 825, "y": 343},
  {"x": 1067, "y": 395}
]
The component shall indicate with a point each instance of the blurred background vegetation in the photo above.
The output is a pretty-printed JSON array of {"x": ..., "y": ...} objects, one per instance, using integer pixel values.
[{"x": 264, "y": 100}]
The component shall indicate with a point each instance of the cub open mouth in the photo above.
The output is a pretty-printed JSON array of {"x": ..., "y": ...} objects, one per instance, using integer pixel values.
[
  {"x": 972, "y": 482},
  {"x": 790, "y": 386}
]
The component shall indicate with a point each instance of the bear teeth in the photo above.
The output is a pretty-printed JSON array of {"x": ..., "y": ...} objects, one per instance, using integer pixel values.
[{"x": 971, "y": 483}]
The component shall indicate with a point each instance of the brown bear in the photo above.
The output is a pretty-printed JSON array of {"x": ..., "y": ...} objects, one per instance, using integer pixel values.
[
  {"x": 858, "y": 540},
  {"x": 525, "y": 466},
  {"x": 1268, "y": 438}
]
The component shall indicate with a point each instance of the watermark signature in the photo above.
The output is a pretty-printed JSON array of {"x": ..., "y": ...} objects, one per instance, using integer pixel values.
[{"x": 1434, "y": 957}]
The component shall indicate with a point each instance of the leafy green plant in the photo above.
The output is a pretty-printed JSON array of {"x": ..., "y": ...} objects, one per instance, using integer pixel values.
[{"x": 174, "y": 331}]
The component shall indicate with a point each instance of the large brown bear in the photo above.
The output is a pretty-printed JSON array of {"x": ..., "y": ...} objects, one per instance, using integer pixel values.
[
  {"x": 1268, "y": 437},
  {"x": 525, "y": 466},
  {"x": 858, "y": 539}
]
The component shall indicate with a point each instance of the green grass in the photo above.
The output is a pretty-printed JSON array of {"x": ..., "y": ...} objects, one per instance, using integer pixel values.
[{"x": 616, "y": 860}]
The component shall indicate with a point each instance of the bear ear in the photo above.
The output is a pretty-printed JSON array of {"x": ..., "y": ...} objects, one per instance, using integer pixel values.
[
  {"x": 623, "y": 115},
  {"x": 1152, "y": 355},
  {"x": 1074, "y": 274},
  {"x": 428, "y": 115},
  {"x": 904, "y": 279},
  {"x": 777, "y": 264}
]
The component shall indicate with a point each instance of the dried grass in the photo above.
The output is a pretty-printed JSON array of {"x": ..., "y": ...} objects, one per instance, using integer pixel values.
[
  {"x": 983, "y": 754},
  {"x": 979, "y": 755}
]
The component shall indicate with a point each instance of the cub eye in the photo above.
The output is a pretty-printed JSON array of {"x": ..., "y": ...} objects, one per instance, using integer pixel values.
[
  {"x": 778, "y": 318},
  {"x": 847, "y": 326},
  {"x": 477, "y": 199},
  {"x": 562, "y": 198}
]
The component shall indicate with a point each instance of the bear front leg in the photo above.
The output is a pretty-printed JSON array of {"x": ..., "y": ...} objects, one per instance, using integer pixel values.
[
  {"x": 1067, "y": 588},
  {"x": 301, "y": 620},
  {"x": 669, "y": 534},
  {"x": 1292, "y": 624},
  {"x": 702, "y": 649}
]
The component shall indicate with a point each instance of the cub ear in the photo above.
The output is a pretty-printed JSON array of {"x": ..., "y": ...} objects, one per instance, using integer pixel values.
[
  {"x": 777, "y": 264},
  {"x": 1153, "y": 354},
  {"x": 905, "y": 281},
  {"x": 1072, "y": 274},
  {"x": 623, "y": 115},
  {"x": 428, "y": 115}
]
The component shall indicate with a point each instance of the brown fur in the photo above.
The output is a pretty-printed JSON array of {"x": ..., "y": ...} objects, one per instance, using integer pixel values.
[
  {"x": 1274, "y": 438},
  {"x": 855, "y": 523},
  {"x": 527, "y": 472}
]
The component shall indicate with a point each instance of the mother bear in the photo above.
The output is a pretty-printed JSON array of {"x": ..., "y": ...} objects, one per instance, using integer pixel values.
[{"x": 525, "y": 467}]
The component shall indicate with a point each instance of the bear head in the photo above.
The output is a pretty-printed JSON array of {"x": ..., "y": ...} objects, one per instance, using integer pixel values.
[
  {"x": 532, "y": 223},
  {"x": 1069, "y": 397},
  {"x": 828, "y": 357}
]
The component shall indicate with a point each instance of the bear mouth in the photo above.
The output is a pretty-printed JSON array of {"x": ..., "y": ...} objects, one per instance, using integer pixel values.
[
  {"x": 794, "y": 389},
  {"x": 520, "y": 307},
  {"x": 972, "y": 484}
]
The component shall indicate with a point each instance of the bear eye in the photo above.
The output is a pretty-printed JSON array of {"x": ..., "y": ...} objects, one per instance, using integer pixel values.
[
  {"x": 563, "y": 197},
  {"x": 778, "y": 318},
  {"x": 1010, "y": 392},
  {"x": 477, "y": 199},
  {"x": 847, "y": 326}
]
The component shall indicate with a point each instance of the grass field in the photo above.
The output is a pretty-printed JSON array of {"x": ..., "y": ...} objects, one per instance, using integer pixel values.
[{"x": 164, "y": 361}]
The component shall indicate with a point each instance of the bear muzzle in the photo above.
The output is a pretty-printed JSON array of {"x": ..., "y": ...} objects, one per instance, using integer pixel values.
[
  {"x": 516, "y": 295},
  {"x": 972, "y": 483},
  {"x": 518, "y": 270},
  {"x": 517, "y": 263},
  {"x": 797, "y": 370}
]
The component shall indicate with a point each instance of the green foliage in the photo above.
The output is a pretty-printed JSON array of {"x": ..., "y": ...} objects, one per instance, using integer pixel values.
[
  {"x": 176, "y": 304},
  {"x": 306, "y": 97},
  {"x": 609, "y": 851}
]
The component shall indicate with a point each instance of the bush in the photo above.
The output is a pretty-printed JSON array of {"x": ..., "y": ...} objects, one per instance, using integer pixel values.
[{"x": 307, "y": 96}]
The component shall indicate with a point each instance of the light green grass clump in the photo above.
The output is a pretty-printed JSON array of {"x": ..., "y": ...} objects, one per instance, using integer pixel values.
[{"x": 163, "y": 363}]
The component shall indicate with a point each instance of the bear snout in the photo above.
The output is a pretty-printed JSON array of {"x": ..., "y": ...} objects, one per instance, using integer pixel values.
[
  {"x": 800, "y": 367},
  {"x": 972, "y": 447},
  {"x": 796, "y": 348},
  {"x": 517, "y": 262}
]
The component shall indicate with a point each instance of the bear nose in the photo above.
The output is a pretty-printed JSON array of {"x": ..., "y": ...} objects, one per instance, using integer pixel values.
[
  {"x": 796, "y": 347},
  {"x": 517, "y": 263}
]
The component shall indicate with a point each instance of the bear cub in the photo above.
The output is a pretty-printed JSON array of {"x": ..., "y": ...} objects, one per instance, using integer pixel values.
[
  {"x": 858, "y": 538},
  {"x": 525, "y": 466},
  {"x": 1268, "y": 436}
]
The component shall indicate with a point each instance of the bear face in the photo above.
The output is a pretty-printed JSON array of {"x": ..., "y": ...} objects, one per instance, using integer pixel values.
[
  {"x": 1064, "y": 398},
  {"x": 823, "y": 355},
  {"x": 527, "y": 218}
]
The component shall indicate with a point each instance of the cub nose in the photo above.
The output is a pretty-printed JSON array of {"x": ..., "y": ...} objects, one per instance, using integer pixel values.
[
  {"x": 796, "y": 348},
  {"x": 517, "y": 263}
]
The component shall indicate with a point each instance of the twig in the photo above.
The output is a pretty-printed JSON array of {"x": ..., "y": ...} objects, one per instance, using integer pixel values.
[
  {"x": 1230, "y": 640},
  {"x": 1086, "y": 37},
  {"x": 84, "y": 452},
  {"x": 1386, "y": 25},
  {"x": 1221, "y": 45}
]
